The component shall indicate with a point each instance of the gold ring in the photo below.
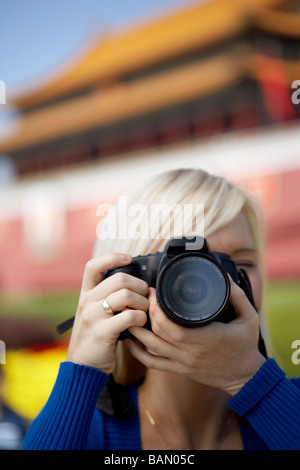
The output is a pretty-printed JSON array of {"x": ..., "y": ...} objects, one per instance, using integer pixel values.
[{"x": 107, "y": 307}]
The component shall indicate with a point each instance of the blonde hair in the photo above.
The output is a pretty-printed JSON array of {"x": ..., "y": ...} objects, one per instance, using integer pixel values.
[{"x": 222, "y": 201}]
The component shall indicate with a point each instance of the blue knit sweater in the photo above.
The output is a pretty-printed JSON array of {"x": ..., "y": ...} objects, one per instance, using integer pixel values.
[{"x": 268, "y": 407}]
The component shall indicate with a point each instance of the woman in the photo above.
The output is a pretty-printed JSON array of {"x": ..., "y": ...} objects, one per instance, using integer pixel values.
[{"x": 190, "y": 388}]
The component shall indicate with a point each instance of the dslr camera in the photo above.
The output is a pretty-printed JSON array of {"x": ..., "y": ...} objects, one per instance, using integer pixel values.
[{"x": 192, "y": 286}]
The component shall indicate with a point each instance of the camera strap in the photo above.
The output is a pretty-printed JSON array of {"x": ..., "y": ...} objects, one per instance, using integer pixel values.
[
  {"x": 244, "y": 283},
  {"x": 65, "y": 326},
  {"x": 114, "y": 399}
]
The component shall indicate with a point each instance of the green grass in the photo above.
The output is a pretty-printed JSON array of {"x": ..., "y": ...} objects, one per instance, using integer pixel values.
[
  {"x": 283, "y": 320},
  {"x": 282, "y": 308},
  {"x": 54, "y": 307}
]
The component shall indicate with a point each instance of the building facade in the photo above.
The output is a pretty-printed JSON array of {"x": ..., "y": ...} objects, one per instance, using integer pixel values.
[{"x": 212, "y": 85}]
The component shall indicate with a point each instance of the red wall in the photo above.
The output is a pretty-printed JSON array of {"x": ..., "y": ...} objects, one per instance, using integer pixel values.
[{"x": 22, "y": 268}]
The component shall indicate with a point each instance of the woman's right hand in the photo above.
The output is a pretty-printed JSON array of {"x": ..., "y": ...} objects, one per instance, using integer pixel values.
[{"x": 95, "y": 332}]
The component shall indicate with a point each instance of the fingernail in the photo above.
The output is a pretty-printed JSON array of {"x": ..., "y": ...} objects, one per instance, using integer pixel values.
[
  {"x": 125, "y": 257},
  {"x": 150, "y": 292}
]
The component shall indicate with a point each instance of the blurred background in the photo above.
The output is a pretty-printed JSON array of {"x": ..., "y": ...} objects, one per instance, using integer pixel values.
[{"x": 96, "y": 96}]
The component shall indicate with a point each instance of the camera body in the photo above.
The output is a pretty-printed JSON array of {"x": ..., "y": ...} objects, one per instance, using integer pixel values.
[{"x": 192, "y": 286}]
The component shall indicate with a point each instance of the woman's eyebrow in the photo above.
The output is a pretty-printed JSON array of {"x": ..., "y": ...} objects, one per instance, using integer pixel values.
[{"x": 244, "y": 250}]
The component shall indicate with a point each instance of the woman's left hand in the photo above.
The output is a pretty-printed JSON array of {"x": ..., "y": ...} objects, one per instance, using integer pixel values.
[{"x": 220, "y": 355}]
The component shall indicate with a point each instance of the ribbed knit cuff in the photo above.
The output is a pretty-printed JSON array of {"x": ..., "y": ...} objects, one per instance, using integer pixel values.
[
  {"x": 253, "y": 391},
  {"x": 271, "y": 404},
  {"x": 64, "y": 421}
]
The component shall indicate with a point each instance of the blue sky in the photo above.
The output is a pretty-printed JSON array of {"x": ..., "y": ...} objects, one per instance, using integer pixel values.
[{"x": 37, "y": 36}]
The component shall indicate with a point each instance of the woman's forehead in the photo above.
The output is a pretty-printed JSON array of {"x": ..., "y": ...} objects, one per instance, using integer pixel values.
[{"x": 233, "y": 237}]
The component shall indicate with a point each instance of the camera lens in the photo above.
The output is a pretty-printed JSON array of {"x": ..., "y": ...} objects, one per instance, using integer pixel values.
[{"x": 192, "y": 289}]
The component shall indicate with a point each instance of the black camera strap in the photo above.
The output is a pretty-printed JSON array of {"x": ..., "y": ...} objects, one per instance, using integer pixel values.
[
  {"x": 65, "y": 325},
  {"x": 114, "y": 399},
  {"x": 244, "y": 283}
]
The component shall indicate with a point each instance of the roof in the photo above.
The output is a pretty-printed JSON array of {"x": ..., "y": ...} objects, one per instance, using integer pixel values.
[
  {"x": 123, "y": 101},
  {"x": 142, "y": 96},
  {"x": 196, "y": 26},
  {"x": 180, "y": 32}
]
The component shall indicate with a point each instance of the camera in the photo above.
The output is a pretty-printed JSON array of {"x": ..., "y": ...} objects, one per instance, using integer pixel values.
[{"x": 192, "y": 286}]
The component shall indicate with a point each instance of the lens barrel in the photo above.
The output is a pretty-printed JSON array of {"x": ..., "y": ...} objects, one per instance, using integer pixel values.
[{"x": 192, "y": 289}]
